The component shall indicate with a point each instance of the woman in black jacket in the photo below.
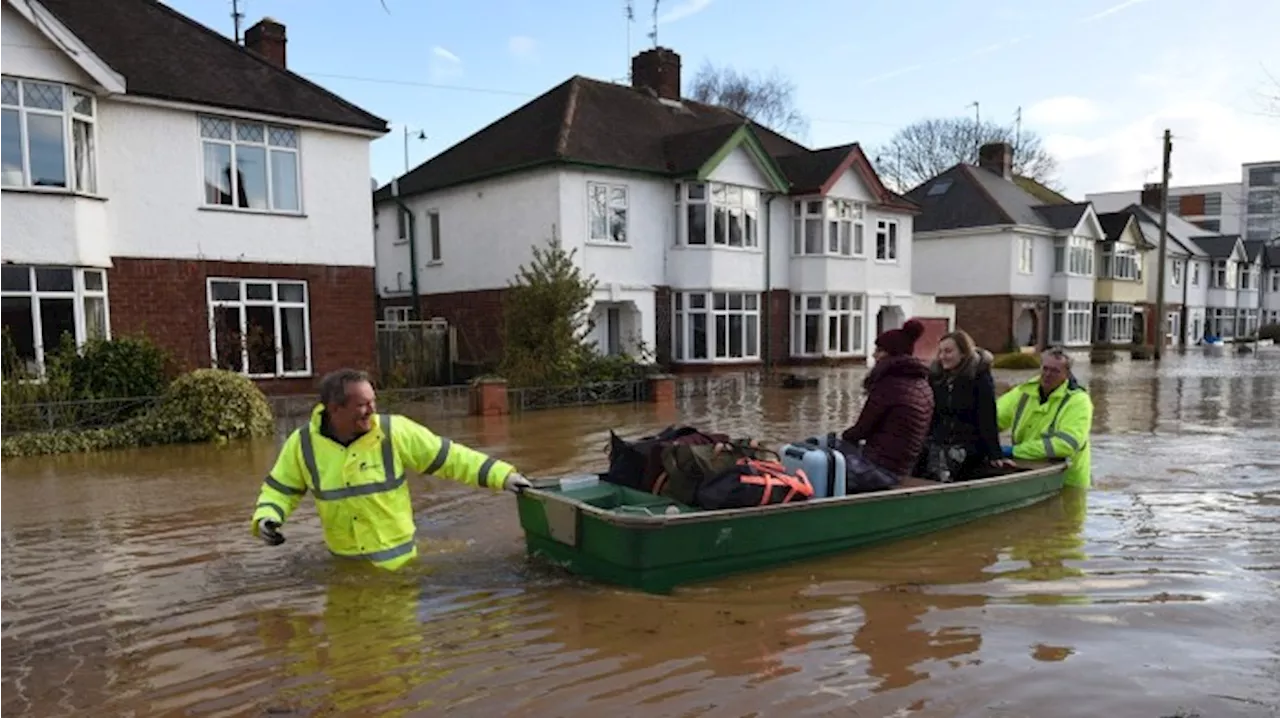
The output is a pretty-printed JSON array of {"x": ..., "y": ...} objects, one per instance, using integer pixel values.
[{"x": 964, "y": 439}]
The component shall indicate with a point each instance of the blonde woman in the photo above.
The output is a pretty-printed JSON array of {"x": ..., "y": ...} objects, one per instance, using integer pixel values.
[{"x": 964, "y": 438}]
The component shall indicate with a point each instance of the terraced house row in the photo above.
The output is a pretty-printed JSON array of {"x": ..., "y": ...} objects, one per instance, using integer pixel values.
[
  {"x": 715, "y": 242},
  {"x": 1040, "y": 269}
]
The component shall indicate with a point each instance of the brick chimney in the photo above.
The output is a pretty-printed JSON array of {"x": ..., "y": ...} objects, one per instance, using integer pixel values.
[
  {"x": 657, "y": 69},
  {"x": 1150, "y": 197},
  {"x": 267, "y": 39},
  {"x": 997, "y": 158}
]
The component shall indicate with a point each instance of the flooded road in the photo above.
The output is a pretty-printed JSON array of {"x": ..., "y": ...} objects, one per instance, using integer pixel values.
[{"x": 132, "y": 588}]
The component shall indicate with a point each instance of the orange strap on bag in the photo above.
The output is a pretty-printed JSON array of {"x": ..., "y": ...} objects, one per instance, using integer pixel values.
[{"x": 769, "y": 474}]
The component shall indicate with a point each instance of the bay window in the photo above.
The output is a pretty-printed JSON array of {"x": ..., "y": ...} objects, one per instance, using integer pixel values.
[
  {"x": 1224, "y": 274},
  {"x": 265, "y": 159},
  {"x": 715, "y": 326},
  {"x": 717, "y": 214},
  {"x": 1222, "y": 323},
  {"x": 260, "y": 327},
  {"x": 827, "y": 324},
  {"x": 1070, "y": 322},
  {"x": 1248, "y": 277},
  {"x": 1114, "y": 323},
  {"x": 827, "y": 227},
  {"x": 1120, "y": 261},
  {"x": 1073, "y": 256},
  {"x": 41, "y": 304},
  {"x": 41, "y": 121},
  {"x": 1026, "y": 255}
]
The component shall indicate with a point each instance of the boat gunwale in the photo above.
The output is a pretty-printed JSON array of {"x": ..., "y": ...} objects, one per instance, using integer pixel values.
[{"x": 536, "y": 490}]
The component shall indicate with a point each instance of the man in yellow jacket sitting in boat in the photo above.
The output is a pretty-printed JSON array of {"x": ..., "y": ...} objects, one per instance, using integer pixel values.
[
  {"x": 353, "y": 461},
  {"x": 1050, "y": 417}
]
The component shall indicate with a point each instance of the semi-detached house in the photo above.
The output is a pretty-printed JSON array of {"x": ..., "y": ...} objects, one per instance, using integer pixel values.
[
  {"x": 714, "y": 240},
  {"x": 160, "y": 178}
]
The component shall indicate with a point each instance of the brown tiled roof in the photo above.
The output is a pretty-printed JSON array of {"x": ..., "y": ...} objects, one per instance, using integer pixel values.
[
  {"x": 1040, "y": 191},
  {"x": 594, "y": 123},
  {"x": 966, "y": 196},
  {"x": 166, "y": 55}
]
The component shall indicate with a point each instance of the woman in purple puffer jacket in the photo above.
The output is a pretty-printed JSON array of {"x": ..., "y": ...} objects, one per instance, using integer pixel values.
[{"x": 895, "y": 420}]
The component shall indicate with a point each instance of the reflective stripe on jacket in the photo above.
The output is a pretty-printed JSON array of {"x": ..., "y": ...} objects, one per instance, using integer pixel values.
[
  {"x": 1059, "y": 428},
  {"x": 360, "y": 491}
]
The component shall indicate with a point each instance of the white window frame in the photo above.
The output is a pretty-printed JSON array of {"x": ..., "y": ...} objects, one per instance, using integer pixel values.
[
  {"x": 1073, "y": 256},
  {"x": 828, "y": 227},
  {"x": 286, "y": 139},
  {"x": 78, "y": 294},
  {"x": 739, "y": 205},
  {"x": 1275, "y": 280},
  {"x": 1026, "y": 255},
  {"x": 1118, "y": 321},
  {"x": 73, "y": 115},
  {"x": 1120, "y": 261},
  {"x": 1195, "y": 274},
  {"x": 404, "y": 224},
  {"x": 891, "y": 246},
  {"x": 434, "y": 246},
  {"x": 612, "y": 205},
  {"x": 397, "y": 315},
  {"x": 244, "y": 303},
  {"x": 1220, "y": 319},
  {"x": 830, "y": 309},
  {"x": 1224, "y": 274},
  {"x": 714, "y": 305},
  {"x": 1072, "y": 319},
  {"x": 1175, "y": 272}
]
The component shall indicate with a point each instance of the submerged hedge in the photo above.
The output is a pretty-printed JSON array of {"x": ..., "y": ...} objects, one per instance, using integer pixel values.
[
  {"x": 202, "y": 406},
  {"x": 1016, "y": 360}
]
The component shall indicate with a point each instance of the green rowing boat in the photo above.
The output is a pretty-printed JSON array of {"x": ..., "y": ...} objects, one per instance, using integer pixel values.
[{"x": 621, "y": 536}]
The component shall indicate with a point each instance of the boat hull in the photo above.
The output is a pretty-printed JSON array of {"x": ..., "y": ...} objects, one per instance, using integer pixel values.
[{"x": 616, "y": 535}]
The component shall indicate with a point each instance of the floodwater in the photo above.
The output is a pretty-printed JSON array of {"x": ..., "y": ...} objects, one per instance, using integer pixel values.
[{"x": 132, "y": 588}]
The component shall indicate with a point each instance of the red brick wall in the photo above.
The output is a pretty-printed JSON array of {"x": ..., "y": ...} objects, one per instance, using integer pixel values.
[
  {"x": 662, "y": 323},
  {"x": 477, "y": 316},
  {"x": 927, "y": 344},
  {"x": 779, "y": 338},
  {"x": 167, "y": 299},
  {"x": 990, "y": 319}
]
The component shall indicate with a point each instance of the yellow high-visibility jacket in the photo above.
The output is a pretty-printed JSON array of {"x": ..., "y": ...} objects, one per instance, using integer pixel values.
[
  {"x": 1059, "y": 428},
  {"x": 360, "y": 490}
]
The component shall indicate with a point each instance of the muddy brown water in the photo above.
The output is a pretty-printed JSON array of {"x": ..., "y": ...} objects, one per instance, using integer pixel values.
[{"x": 132, "y": 588}]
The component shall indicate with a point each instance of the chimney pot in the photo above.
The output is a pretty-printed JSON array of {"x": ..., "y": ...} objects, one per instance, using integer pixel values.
[
  {"x": 1151, "y": 196},
  {"x": 267, "y": 38},
  {"x": 997, "y": 158},
  {"x": 658, "y": 70}
]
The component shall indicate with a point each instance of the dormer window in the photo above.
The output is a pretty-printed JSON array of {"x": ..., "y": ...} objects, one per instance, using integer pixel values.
[{"x": 41, "y": 121}]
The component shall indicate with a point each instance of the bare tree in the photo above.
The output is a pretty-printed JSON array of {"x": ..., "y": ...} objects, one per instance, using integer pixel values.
[
  {"x": 767, "y": 100},
  {"x": 926, "y": 148}
]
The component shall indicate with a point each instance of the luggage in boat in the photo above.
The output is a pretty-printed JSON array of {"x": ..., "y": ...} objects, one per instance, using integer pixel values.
[
  {"x": 823, "y": 464},
  {"x": 686, "y": 466},
  {"x": 638, "y": 464},
  {"x": 753, "y": 482}
]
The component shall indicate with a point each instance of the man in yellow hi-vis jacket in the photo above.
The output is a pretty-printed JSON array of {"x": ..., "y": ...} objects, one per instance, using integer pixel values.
[
  {"x": 1050, "y": 417},
  {"x": 353, "y": 461}
]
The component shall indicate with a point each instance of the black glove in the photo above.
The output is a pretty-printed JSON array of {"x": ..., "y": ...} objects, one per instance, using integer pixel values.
[{"x": 270, "y": 532}]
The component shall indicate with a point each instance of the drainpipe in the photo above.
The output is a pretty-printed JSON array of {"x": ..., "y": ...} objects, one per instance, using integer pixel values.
[
  {"x": 412, "y": 225},
  {"x": 766, "y": 298}
]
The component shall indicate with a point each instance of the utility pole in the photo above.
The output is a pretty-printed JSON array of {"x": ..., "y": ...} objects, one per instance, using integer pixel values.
[
  {"x": 629, "y": 11},
  {"x": 236, "y": 17},
  {"x": 1164, "y": 248},
  {"x": 422, "y": 135},
  {"x": 1017, "y": 131}
]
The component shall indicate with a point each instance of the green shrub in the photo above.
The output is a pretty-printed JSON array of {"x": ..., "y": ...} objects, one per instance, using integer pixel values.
[
  {"x": 1270, "y": 331},
  {"x": 1016, "y": 360},
  {"x": 205, "y": 405},
  {"x": 120, "y": 368}
]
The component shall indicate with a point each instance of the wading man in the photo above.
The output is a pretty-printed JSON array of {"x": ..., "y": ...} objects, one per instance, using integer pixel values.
[
  {"x": 353, "y": 461},
  {"x": 1050, "y": 417}
]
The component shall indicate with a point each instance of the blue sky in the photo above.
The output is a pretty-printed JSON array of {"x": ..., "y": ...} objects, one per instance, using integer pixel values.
[{"x": 1098, "y": 79}]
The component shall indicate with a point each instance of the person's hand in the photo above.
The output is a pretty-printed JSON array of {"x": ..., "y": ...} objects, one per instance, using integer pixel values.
[
  {"x": 270, "y": 532},
  {"x": 1003, "y": 463},
  {"x": 516, "y": 483}
]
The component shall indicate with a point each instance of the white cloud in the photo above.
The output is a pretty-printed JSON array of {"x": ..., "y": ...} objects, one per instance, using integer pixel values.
[
  {"x": 1064, "y": 110},
  {"x": 683, "y": 10},
  {"x": 1112, "y": 10},
  {"x": 444, "y": 54},
  {"x": 522, "y": 47}
]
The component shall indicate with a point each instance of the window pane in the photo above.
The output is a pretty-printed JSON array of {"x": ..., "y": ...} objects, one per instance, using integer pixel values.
[
  {"x": 833, "y": 333},
  {"x": 43, "y": 95},
  {"x": 10, "y": 92},
  {"x": 57, "y": 319},
  {"x": 857, "y": 333},
  {"x": 19, "y": 329},
  {"x": 293, "y": 338},
  {"x": 698, "y": 325},
  {"x": 12, "y": 148},
  {"x": 814, "y": 303},
  {"x": 722, "y": 338},
  {"x": 248, "y": 132},
  {"x": 735, "y": 228},
  {"x": 290, "y": 292},
  {"x": 55, "y": 279},
  {"x": 813, "y": 236},
  {"x": 697, "y": 300},
  {"x": 284, "y": 181},
  {"x": 15, "y": 279},
  {"x": 261, "y": 339},
  {"x": 259, "y": 291},
  {"x": 697, "y": 224},
  {"x": 719, "y": 300},
  {"x": 217, "y": 173},
  {"x": 226, "y": 338},
  {"x": 84, "y": 155},
  {"x": 282, "y": 136},
  {"x": 751, "y": 302},
  {"x": 95, "y": 318},
  {"x": 679, "y": 350},
  {"x": 46, "y": 151},
  {"x": 812, "y": 333},
  {"x": 251, "y": 175},
  {"x": 81, "y": 103},
  {"x": 225, "y": 292},
  {"x": 753, "y": 336},
  {"x": 736, "y": 330},
  {"x": 618, "y": 214},
  {"x": 721, "y": 225},
  {"x": 598, "y": 210},
  {"x": 93, "y": 281},
  {"x": 844, "y": 334},
  {"x": 735, "y": 301}
]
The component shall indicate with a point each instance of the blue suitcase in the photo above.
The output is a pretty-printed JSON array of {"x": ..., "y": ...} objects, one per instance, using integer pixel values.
[{"x": 822, "y": 465}]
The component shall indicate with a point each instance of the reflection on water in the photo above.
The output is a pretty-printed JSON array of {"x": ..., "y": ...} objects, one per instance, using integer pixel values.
[{"x": 131, "y": 586}]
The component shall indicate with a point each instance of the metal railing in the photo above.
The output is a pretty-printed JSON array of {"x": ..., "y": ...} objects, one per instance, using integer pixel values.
[
  {"x": 81, "y": 414},
  {"x": 605, "y": 392}
]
